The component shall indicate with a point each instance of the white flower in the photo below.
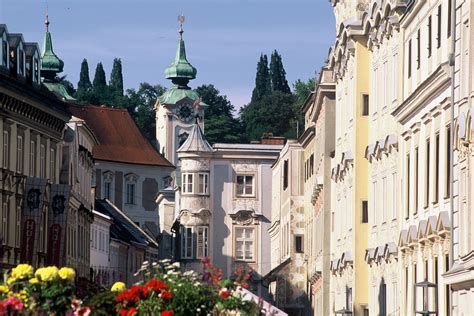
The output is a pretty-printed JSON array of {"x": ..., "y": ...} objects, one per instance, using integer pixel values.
[
  {"x": 198, "y": 309},
  {"x": 176, "y": 265}
]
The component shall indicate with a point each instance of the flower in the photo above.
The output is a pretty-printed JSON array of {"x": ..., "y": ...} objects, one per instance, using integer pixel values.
[
  {"x": 167, "y": 313},
  {"x": 157, "y": 285},
  {"x": 34, "y": 281},
  {"x": 224, "y": 293},
  {"x": 22, "y": 271},
  {"x": 128, "y": 312},
  {"x": 166, "y": 295},
  {"x": 118, "y": 287},
  {"x": 3, "y": 288},
  {"x": 47, "y": 274},
  {"x": 11, "y": 280},
  {"x": 67, "y": 274}
]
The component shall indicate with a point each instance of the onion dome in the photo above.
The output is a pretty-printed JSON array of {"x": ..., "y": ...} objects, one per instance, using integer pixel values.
[{"x": 50, "y": 63}]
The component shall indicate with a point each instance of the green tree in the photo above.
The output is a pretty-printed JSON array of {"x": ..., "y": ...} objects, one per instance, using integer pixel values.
[
  {"x": 84, "y": 86},
  {"x": 271, "y": 114},
  {"x": 262, "y": 80},
  {"x": 278, "y": 74},
  {"x": 141, "y": 103},
  {"x": 301, "y": 89},
  {"x": 220, "y": 124},
  {"x": 99, "y": 85},
  {"x": 116, "y": 78}
]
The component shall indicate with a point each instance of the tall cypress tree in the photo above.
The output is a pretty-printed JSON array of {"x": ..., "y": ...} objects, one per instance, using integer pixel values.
[
  {"x": 116, "y": 78},
  {"x": 262, "y": 80},
  {"x": 278, "y": 74},
  {"x": 99, "y": 85},
  {"x": 84, "y": 86}
]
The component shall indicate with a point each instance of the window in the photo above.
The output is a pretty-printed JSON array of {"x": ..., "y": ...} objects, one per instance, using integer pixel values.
[
  {"x": 429, "y": 36},
  {"x": 203, "y": 183},
  {"x": 32, "y": 157},
  {"x": 409, "y": 59},
  {"x": 365, "y": 212},
  {"x": 186, "y": 242},
  {"x": 365, "y": 105},
  {"x": 438, "y": 35},
  {"x": 202, "y": 241},
  {"x": 299, "y": 244},
  {"x": 374, "y": 202},
  {"x": 6, "y": 149},
  {"x": 447, "y": 290},
  {"x": 416, "y": 180},
  {"x": 427, "y": 172},
  {"x": 447, "y": 185},
  {"x": 188, "y": 182},
  {"x": 107, "y": 190},
  {"x": 18, "y": 225},
  {"x": 436, "y": 175},
  {"x": 35, "y": 70},
  {"x": 449, "y": 17},
  {"x": 52, "y": 165},
  {"x": 130, "y": 193},
  {"x": 42, "y": 161},
  {"x": 4, "y": 51},
  {"x": 5, "y": 216},
  {"x": 394, "y": 195},
  {"x": 418, "y": 51},
  {"x": 244, "y": 243},
  {"x": 407, "y": 214},
  {"x": 21, "y": 61},
  {"x": 285, "y": 174},
  {"x": 245, "y": 185},
  {"x": 384, "y": 200},
  {"x": 19, "y": 154}
]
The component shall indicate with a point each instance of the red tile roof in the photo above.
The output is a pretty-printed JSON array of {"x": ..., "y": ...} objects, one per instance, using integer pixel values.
[{"x": 120, "y": 139}]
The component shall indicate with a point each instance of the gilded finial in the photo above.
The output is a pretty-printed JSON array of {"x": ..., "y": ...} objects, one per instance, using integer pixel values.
[
  {"x": 46, "y": 22},
  {"x": 181, "y": 21}
]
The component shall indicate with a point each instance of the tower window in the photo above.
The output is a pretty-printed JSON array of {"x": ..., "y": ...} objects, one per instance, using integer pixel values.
[{"x": 365, "y": 104}]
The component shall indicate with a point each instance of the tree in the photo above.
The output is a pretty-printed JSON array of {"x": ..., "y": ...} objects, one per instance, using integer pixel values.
[
  {"x": 99, "y": 85},
  {"x": 302, "y": 89},
  {"x": 262, "y": 80},
  {"x": 278, "y": 74},
  {"x": 271, "y": 114},
  {"x": 116, "y": 78},
  {"x": 84, "y": 86},
  {"x": 220, "y": 124},
  {"x": 141, "y": 105}
]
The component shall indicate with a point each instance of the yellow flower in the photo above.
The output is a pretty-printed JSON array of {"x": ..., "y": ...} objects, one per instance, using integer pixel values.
[
  {"x": 47, "y": 274},
  {"x": 22, "y": 271},
  {"x": 11, "y": 280},
  {"x": 34, "y": 281},
  {"x": 67, "y": 274},
  {"x": 118, "y": 287},
  {"x": 3, "y": 288}
]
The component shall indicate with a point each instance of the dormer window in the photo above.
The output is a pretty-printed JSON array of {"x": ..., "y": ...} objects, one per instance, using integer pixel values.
[
  {"x": 21, "y": 59},
  {"x": 36, "y": 69},
  {"x": 4, "y": 50}
]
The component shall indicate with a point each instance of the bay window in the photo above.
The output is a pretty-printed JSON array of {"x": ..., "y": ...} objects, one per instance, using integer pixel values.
[
  {"x": 202, "y": 237},
  {"x": 203, "y": 183},
  {"x": 194, "y": 242},
  {"x": 188, "y": 182}
]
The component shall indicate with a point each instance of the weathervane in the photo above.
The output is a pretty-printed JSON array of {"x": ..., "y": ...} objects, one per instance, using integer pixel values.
[
  {"x": 46, "y": 22},
  {"x": 181, "y": 21}
]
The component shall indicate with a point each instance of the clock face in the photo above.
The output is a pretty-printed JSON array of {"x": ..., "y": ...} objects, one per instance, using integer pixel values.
[{"x": 185, "y": 112}]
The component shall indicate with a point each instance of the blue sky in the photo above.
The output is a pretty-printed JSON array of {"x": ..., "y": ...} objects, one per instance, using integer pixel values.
[{"x": 224, "y": 38}]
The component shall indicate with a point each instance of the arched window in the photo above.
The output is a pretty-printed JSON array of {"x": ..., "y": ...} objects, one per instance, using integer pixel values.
[
  {"x": 130, "y": 188},
  {"x": 108, "y": 179}
]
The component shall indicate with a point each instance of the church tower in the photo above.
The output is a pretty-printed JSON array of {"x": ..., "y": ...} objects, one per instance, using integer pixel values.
[{"x": 177, "y": 107}]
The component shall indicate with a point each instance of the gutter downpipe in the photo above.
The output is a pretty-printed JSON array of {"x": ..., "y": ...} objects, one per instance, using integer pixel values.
[{"x": 452, "y": 61}]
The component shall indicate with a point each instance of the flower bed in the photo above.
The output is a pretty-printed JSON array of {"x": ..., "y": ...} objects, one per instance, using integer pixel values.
[{"x": 163, "y": 290}]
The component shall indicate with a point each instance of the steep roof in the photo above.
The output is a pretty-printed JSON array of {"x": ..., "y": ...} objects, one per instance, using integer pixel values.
[
  {"x": 120, "y": 140},
  {"x": 123, "y": 228},
  {"x": 196, "y": 142}
]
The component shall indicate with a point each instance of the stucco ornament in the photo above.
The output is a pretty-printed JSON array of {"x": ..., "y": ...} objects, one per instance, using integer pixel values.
[
  {"x": 245, "y": 217},
  {"x": 190, "y": 218}
]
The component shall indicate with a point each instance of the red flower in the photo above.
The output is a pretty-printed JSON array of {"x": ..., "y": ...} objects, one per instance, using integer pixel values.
[
  {"x": 157, "y": 285},
  {"x": 224, "y": 294},
  {"x": 132, "y": 311},
  {"x": 167, "y": 313},
  {"x": 166, "y": 295}
]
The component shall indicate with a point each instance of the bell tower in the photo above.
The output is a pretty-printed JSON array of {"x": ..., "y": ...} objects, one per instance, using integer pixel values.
[{"x": 178, "y": 106}]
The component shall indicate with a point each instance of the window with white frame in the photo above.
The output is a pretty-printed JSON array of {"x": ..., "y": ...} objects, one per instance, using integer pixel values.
[
  {"x": 42, "y": 161},
  {"x": 32, "y": 157},
  {"x": 244, "y": 244},
  {"x": 187, "y": 183},
  {"x": 394, "y": 195},
  {"x": 245, "y": 186},
  {"x": 6, "y": 149},
  {"x": 186, "y": 242},
  {"x": 130, "y": 193},
  {"x": 384, "y": 200},
  {"x": 108, "y": 178},
  {"x": 202, "y": 241},
  {"x": 19, "y": 154},
  {"x": 203, "y": 183},
  {"x": 107, "y": 189}
]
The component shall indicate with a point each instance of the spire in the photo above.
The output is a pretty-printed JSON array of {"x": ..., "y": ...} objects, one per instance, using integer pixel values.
[
  {"x": 180, "y": 71},
  {"x": 50, "y": 63},
  {"x": 196, "y": 141}
]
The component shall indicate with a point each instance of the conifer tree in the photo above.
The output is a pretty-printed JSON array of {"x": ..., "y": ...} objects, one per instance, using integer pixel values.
[
  {"x": 99, "y": 85},
  {"x": 262, "y": 80},
  {"x": 84, "y": 86},
  {"x": 116, "y": 78},
  {"x": 278, "y": 74}
]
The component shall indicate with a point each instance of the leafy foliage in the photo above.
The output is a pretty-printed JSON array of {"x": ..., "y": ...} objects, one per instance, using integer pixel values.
[
  {"x": 220, "y": 124},
  {"x": 262, "y": 80},
  {"x": 278, "y": 74}
]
